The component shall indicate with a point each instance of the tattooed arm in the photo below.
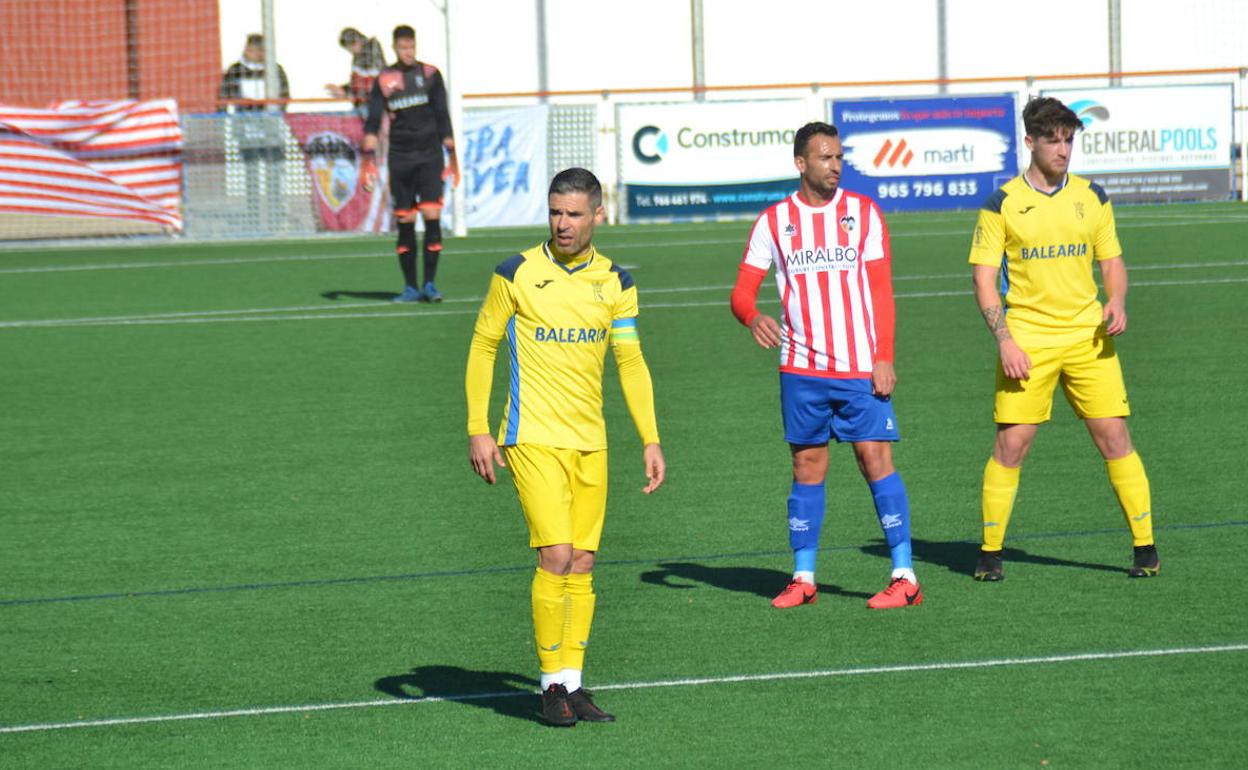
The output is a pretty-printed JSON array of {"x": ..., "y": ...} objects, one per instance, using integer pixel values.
[{"x": 1014, "y": 361}]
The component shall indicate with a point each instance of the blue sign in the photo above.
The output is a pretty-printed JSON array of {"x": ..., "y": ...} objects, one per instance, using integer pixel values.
[{"x": 928, "y": 153}]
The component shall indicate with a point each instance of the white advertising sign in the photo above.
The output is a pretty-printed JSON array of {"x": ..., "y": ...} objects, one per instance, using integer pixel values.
[
  {"x": 709, "y": 142},
  {"x": 504, "y": 166},
  {"x": 926, "y": 152},
  {"x": 1152, "y": 128}
]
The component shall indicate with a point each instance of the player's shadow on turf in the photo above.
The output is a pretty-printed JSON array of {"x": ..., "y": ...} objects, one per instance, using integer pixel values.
[
  {"x": 959, "y": 556},
  {"x": 380, "y": 296},
  {"x": 510, "y": 695},
  {"x": 751, "y": 580}
]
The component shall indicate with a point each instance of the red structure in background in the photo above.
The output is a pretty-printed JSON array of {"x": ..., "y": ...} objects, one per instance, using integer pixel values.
[{"x": 51, "y": 50}]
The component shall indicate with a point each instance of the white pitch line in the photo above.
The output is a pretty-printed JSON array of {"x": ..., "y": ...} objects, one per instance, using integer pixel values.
[
  {"x": 905, "y": 668},
  {"x": 383, "y": 252},
  {"x": 473, "y": 300},
  {"x": 271, "y": 314}
]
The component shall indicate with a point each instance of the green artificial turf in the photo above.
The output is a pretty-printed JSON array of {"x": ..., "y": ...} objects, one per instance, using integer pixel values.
[{"x": 235, "y": 479}]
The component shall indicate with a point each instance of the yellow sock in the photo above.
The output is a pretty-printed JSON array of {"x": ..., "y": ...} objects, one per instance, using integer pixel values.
[
  {"x": 549, "y": 611},
  {"x": 1000, "y": 487},
  {"x": 580, "y": 617},
  {"x": 1126, "y": 475}
]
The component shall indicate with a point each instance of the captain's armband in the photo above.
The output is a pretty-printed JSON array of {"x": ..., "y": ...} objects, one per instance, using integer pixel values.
[{"x": 624, "y": 331}]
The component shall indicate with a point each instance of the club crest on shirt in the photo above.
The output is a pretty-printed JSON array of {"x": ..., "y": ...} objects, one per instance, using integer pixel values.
[
  {"x": 790, "y": 229},
  {"x": 597, "y": 286},
  {"x": 848, "y": 223},
  {"x": 1079, "y": 210}
]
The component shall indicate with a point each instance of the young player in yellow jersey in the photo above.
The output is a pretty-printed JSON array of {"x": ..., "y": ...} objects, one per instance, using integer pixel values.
[
  {"x": 1038, "y": 235},
  {"x": 560, "y": 304}
]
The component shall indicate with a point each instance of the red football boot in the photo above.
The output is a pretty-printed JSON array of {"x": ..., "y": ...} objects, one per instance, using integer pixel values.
[
  {"x": 795, "y": 594},
  {"x": 900, "y": 593}
]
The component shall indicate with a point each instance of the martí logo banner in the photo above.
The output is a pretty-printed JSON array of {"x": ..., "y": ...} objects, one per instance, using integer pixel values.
[{"x": 927, "y": 153}]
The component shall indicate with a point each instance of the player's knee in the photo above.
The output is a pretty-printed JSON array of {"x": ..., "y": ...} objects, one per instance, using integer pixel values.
[
  {"x": 582, "y": 561},
  {"x": 405, "y": 217},
  {"x": 1012, "y": 444},
  {"x": 810, "y": 466},
  {"x": 875, "y": 460},
  {"x": 1111, "y": 437},
  {"x": 555, "y": 559}
]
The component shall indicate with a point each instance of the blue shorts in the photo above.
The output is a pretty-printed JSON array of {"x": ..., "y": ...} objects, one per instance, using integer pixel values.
[{"x": 818, "y": 409}]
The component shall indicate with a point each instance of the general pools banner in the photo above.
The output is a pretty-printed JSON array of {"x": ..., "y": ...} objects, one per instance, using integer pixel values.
[
  {"x": 921, "y": 154},
  {"x": 707, "y": 159},
  {"x": 1155, "y": 143},
  {"x": 504, "y": 160}
]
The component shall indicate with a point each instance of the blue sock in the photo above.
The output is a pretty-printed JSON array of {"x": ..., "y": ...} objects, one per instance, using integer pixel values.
[
  {"x": 893, "y": 509},
  {"x": 806, "y": 502}
]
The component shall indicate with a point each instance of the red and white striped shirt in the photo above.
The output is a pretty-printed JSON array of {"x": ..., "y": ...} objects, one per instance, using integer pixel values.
[{"x": 833, "y": 272}]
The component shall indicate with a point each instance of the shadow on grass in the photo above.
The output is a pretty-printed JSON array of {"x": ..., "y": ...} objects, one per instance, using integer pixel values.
[
  {"x": 751, "y": 580},
  {"x": 958, "y": 556},
  {"x": 507, "y": 694},
  {"x": 380, "y": 296}
]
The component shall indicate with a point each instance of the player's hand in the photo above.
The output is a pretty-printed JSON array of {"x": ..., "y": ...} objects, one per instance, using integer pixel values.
[
  {"x": 656, "y": 467},
  {"x": 483, "y": 454},
  {"x": 335, "y": 90},
  {"x": 883, "y": 378},
  {"x": 451, "y": 171},
  {"x": 766, "y": 331},
  {"x": 368, "y": 143},
  {"x": 1115, "y": 316},
  {"x": 1014, "y": 360},
  {"x": 368, "y": 173}
]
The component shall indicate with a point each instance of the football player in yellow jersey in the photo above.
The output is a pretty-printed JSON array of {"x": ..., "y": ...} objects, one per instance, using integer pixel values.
[
  {"x": 561, "y": 304},
  {"x": 1037, "y": 236}
]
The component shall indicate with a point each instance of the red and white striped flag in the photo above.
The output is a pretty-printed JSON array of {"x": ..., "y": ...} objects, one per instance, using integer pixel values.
[{"x": 118, "y": 160}]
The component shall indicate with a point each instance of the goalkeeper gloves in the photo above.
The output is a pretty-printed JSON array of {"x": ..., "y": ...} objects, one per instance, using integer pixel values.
[
  {"x": 368, "y": 173},
  {"x": 451, "y": 171}
]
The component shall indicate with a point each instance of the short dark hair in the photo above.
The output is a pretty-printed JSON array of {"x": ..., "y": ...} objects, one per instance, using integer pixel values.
[
  {"x": 404, "y": 32},
  {"x": 349, "y": 36},
  {"x": 812, "y": 129},
  {"x": 578, "y": 180},
  {"x": 1043, "y": 115},
  {"x": 255, "y": 38}
]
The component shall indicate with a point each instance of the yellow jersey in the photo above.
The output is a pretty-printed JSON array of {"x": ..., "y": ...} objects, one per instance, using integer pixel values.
[
  {"x": 1044, "y": 244},
  {"x": 559, "y": 320}
]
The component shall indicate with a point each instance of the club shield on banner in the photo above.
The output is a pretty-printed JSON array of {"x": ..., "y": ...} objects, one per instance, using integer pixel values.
[
  {"x": 928, "y": 153},
  {"x": 1155, "y": 143},
  {"x": 330, "y": 144},
  {"x": 707, "y": 159},
  {"x": 504, "y": 166}
]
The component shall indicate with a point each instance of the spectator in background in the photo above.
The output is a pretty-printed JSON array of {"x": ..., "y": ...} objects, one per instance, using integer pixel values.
[
  {"x": 245, "y": 78},
  {"x": 367, "y": 62},
  {"x": 259, "y": 138}
]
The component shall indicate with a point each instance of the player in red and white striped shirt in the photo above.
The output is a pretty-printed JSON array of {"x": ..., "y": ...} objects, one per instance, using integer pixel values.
[{"x": 833, "y": 270}]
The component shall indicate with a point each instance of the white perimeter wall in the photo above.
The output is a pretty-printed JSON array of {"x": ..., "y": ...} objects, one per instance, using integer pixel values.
[{"x": 597, "y": 44}]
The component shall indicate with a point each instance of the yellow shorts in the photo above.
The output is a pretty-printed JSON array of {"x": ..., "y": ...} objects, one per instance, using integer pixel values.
[
  {"x": 1090, "y": 375},
  {"x": 563, "y": 493}
]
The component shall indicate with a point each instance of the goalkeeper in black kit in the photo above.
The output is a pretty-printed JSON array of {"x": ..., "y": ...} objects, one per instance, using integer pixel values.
[{"x": 414, "y": 95}]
